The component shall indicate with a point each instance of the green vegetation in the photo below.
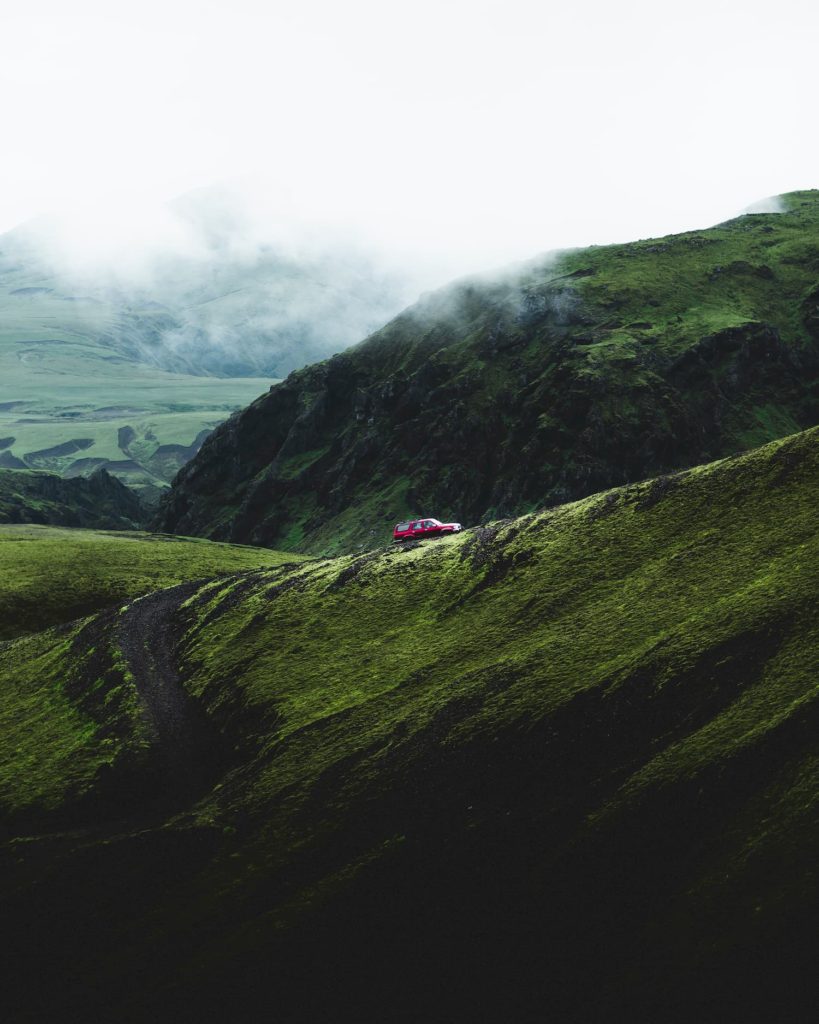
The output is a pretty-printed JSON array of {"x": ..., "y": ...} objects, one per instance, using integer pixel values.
[
  {"x": 50, "y": 575},
  {"x": 572, "y": 374},
  {"x": 565, "y": 760},
  {"x": 53, "y": 746}
]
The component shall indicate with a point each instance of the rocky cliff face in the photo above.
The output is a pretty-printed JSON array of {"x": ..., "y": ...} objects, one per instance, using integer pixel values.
[
  {"x": 99, "y": 501},
  {"x": 567, "y": 376}
]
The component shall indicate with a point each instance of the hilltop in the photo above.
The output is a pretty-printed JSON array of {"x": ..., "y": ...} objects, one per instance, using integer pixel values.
[
  {"x": 558, "y": 765},
  {"x": 565, "y": 376}
]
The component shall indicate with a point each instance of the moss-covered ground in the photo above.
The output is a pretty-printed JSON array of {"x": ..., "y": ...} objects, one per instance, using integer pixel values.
[
  {"x": 50, "y": 575},
  {"x": 558, "y": 766}
]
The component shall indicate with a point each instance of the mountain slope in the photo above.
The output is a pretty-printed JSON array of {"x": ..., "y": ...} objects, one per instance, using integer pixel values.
[
  {"x": 567, "y": 376},
  {"x": 561, "y": 766}
]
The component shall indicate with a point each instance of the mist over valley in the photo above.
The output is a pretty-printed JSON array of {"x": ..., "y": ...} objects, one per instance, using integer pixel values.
[{"x": 123, "y": 351}]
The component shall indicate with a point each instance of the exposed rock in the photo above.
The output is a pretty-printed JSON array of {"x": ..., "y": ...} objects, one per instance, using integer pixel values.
[{"x": 99, "y": 501}]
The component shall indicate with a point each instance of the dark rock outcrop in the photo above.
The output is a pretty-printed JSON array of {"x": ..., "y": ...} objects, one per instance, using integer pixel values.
[{"x": 99, "y": 501}]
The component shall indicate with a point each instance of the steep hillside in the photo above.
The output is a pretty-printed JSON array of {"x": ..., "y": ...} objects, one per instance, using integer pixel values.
[
  {"x": 99, "y": 501},
  {"x": 50, "y": 575},
  {"x": 568, "y": 375},
  {"x": 560, "y": 767}
]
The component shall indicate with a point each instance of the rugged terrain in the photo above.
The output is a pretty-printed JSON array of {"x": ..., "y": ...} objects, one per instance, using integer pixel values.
[
  {"x": 566, "y": 376},
  {"x": 557, "y": 767},
  {"x": 99, "y": 501}
]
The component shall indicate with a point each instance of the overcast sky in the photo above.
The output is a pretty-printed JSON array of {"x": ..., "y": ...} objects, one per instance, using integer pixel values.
[{"x": 465, "y": 134}]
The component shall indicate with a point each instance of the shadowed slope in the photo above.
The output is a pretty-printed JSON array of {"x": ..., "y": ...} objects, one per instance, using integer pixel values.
[{"x": 558, "y": 765}]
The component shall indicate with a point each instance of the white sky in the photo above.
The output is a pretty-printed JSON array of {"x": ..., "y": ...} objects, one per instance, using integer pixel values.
[{"x": 465, "y": 133}]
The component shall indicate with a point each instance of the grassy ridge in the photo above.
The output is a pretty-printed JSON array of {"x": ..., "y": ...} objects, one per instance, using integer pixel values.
[
  {"x": 589, "y": 729},
  {"x": 51, "y": 575},
  {"x": 67, "y": 714}
]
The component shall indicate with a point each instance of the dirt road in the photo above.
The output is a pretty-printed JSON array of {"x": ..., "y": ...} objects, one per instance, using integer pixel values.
[{"x": 189, "y": 750}]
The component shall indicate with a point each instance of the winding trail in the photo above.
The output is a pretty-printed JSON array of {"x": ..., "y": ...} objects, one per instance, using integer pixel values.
[{"x": 189, "y": 750}]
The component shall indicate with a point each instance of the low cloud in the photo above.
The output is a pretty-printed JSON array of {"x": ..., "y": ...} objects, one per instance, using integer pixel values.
[
  {"x": 773, "y": 204},
  {"x": 221, "y": 282}
]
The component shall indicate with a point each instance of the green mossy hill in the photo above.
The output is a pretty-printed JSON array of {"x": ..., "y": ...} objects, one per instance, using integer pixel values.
[
  {"x": 557, "y": 767},
  {"x": 50, "y": 575},
  {"x": 568, "y": 375},
  {"x": 98, "y": 502}
]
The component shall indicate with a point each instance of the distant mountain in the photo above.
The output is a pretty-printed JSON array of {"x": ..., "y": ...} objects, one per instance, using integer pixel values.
[
  {"x": 128, "y": 364},
  {"x": 100, "y": 501},
  {"x": 222, "y": 295},
  {"x": 494, "y": 397}
]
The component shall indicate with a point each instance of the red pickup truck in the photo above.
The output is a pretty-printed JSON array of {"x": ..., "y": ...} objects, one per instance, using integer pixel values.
[{"x": 420, "y": 528}]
